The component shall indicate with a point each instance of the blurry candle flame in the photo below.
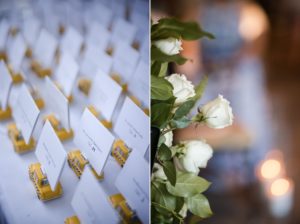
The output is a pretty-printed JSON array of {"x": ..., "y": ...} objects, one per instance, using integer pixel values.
[
  {"x": 280, "y": 187},
  {"x": 270, "y": 168},
  {"x": 253, "y": 22}
]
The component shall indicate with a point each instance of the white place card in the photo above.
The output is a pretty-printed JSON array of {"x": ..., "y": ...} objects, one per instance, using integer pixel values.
[
  {"x": 106, "y": 62},
  {"x": 57, "y": 103},
  {"x": 31, "y": 29},
  {"x": 52, "y": 22},
  {"x": 4, "y": 28},
  {"x": 144, "y": 50},
  {"x": 5, "y": 85},
  {"x": 136, "y": 175},
  {"x": 139, "y": 85},
  {"x": 101, "y": 95},
  {"x": 16, "y": 53},
  {"x": 71, "y": 42},
  {"x": 119, "y": 9},
  {"x": 94, "y": 140},
  {"x": 147, "y": 154},
  {"x": 125, "y": 59},
  {"x": 95, "y": 59},
  {"x": 74, "y": 17},
  {"x": 51, "y": 154},
  {"x": 98, "y": 34},
  {"x": 98, "y": 12},
  {"x": 133, "y": 126},
  {"x": 45, "y": 48},
  {"x": 139, "y": 6},
  {"x": 66, "y": 73},
  {"x": 25, "y": 113},
  {"x": 141, "y": 21},
  {"x": 123, "y": 31},
  {"x": 90, "y": 202}
]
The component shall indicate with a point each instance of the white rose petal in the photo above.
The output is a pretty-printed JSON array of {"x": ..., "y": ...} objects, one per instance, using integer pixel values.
[
  {"x": 158, "y": 172},
  {"x": 217, "y": 113},
  {"x": 182, "y": 88},
  {"x": 169, "y": 137},
  {"x": 169, "y": 46},
  {"x": 196, "y": 153},
  {"x": 183, "y": 211}
]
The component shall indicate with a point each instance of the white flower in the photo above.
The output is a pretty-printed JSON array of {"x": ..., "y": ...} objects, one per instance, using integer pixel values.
[
  {"x": 193, "y": 155},
  {"x": 183, "y": 211},
  {"x": 169, "y": 46},
  {"x": 158, "y": 172},
  {"x": 182, "y": 88},
  {"x": 169, "y": 137},
  {"x": 217, "y": 113}
]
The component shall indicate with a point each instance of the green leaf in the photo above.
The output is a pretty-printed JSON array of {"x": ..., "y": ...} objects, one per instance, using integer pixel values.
[
  {"x": 171, "y": 100},
  {"x": 160, "y": 195},
  {"x": 187, "y": 185},
  {"x": 170, "y": 27},
  {"x": 170, "y": 171},
  {"x": 179, "y": 204},
  {"x": 163, "y": 69},
  {"x": 159, "y": 218},
  {"x": 160, "y": 113},
  {"x": 159, "y": 69},
  {"x": 159, "y": 56},
  {"x": 181, "y": 122},
  {"x": 199, "y": 205},
  {"x": 161, "y": 89},
  {"x": 184, "y": 109},
  {"x": 199, "y": 89},
  {"x": 164, "y": 153},
  {"x": 155, "y": 68}
]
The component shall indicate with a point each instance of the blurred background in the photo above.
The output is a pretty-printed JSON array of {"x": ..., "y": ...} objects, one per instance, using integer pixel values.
[{"x": 254, "y": 63}]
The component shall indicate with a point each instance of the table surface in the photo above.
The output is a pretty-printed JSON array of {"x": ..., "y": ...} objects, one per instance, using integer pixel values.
[{"x": 18, "y": 198}]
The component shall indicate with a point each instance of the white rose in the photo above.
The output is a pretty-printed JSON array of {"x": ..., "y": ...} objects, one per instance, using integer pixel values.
[
  {"x": 217, "y": 113},
  {"x": 158, "y": 172},
  {"x": 169, "y": 137},
  {"x": 169, "y": 46},
  {"x": 182, "y": 88},
  {"x": 192, "y": 155},
  {"x": 183, "y": 211}
]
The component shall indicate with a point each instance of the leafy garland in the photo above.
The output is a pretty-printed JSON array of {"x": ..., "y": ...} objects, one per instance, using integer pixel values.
[{"x": 175, "y": 185}]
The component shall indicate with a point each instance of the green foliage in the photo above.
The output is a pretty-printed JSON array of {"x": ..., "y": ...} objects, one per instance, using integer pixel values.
[
  {"x": 164, "y": 153},
  {"x": 170, "y": 171},
  {"x": 161, "y": 89},
  {"x": 199, "y": 89},
  {"x": 170, "y": 27},
  {"x": 159, "y": 69},
  {"x": 162, "y": 197},
  {"x": 182, "y": 122},
  {"x": 199, "y": 205},
  {"x": 160, "y": 114},
  {"x": 169, "y": 196},
  {"x": 187, "y": 185},
  {"x": 184, "y": 109}
]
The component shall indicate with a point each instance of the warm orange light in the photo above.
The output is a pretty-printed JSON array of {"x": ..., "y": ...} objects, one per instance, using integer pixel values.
[
  {"x": 280, "y": 187},
  {"x": 270, "y": 168},
  {"x": 253, "y": 22}
]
